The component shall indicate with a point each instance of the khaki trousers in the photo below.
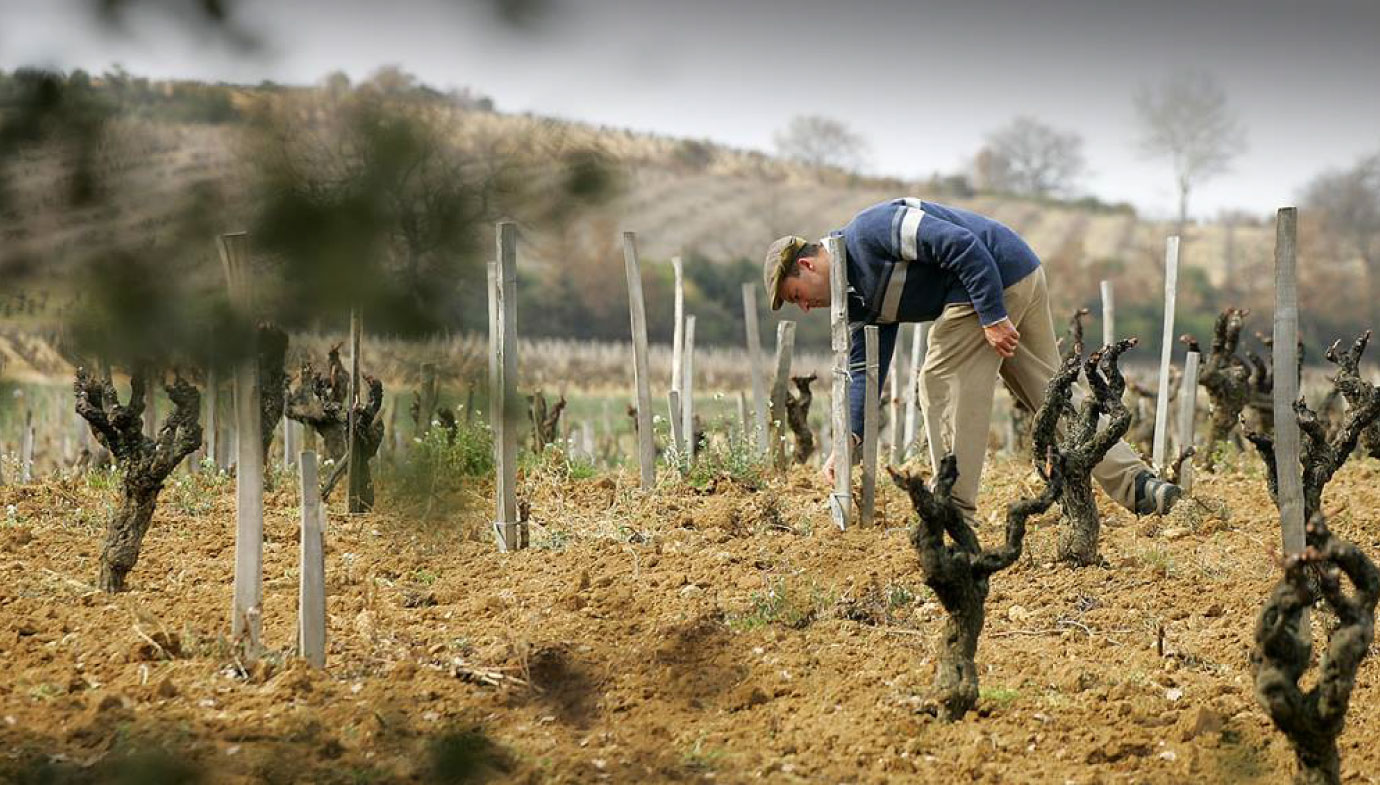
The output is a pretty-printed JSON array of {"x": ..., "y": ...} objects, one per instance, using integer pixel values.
[{"x": 959, "y": 380}]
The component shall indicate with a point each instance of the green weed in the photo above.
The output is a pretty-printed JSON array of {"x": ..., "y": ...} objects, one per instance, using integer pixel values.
[
  {"x": 732, "y": 459},
  {"x": 783, "y": 604},
  {"x": 440, "y": 464},
  {"x": 999, "y": 695},
  {"x": 701, "y": 759},
  {"x": 1159, "y": 559}
]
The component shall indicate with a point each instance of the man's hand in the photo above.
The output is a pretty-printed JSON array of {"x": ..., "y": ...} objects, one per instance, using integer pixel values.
[
  {"x": 1003, "y": 337},
  {"x": 827, "y": 470}
]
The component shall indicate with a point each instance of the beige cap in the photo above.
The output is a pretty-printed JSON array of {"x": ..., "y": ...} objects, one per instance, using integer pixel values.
[{"x": 779, "y": 256}]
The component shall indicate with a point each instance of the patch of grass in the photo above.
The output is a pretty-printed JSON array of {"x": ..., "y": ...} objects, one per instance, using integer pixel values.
[
  {"x": 899, "y": 596},
  {"x": 107, "y": 479},
  {"x": 439, "y": 465},
  {"x": 703, "y": 760},
  {"x": 998, "y": 695},
  {"x": 733, "y": 459},
  {"x": 44, "y": 692},
  {"x": 553, "y": 540},
  {"x": 424, "y": 576},
  {"x": 558, "y": 464},
  {"x": 789, "y": 606},
  {"x": 581, "y": 468},
  {"x": 1158, "y": 559},
  {"x": 196, "y": 494}
]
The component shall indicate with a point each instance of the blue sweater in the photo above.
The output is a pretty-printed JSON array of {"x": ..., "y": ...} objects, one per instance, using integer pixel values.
[{"x": 907, "y": 259}]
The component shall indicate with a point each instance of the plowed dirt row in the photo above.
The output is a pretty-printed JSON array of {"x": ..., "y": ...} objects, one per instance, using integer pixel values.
[{"x": 730, "y": 636}]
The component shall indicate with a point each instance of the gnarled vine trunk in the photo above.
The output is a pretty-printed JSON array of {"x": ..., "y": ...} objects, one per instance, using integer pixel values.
[
  {"x": 959, "y": 571},
  {"x": 1322, "y": 454},
  {"x": 798, "y": 417},
  {"x": 1312, "y": 720},
  {"x": 1226, "y": 378},
  {"x": 144, "y": 462},
  {"x": 1084, "y": 442}
]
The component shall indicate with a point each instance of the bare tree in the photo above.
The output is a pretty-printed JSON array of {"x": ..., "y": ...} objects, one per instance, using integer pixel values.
[
  {"x": 1030, "y": 158},
  {"x": 1348, "y": 202},
  {"x": 1186, "y": 119},
  {"x": 816, "y": 140}
]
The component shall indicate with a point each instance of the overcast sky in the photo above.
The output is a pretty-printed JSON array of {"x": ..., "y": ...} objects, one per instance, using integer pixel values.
[{"x": 922, "y": 81}]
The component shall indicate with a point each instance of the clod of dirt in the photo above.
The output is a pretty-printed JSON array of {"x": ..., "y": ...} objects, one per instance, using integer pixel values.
[
  {"x": 166, "y": 689},
  {"x": 746, "y": 697},
  {"x": 16, "y": 538},
  {"x": 1202, "y": 722},
  {"x": 418, "y": 599},
  {"x": 158, "y": 646},
  {"x": 294, "y": 680}
]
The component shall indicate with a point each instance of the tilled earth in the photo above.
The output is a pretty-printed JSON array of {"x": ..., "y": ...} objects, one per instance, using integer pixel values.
[{"x": 682, "y": 636}]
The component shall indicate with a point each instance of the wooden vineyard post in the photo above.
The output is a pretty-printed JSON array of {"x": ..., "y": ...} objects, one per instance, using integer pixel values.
[
  {"x": 426, "y": 406},
  {"x": 26, "y": 449},
  {"x": 687, "y": 393},
  {"x": 247, "y": 611},
  {"x": 308, "y": 437},
  {"x": 587, "y": 441},
  {"x": 355, "y": 469},
  {"x": 744, "y": 421},
  {"x": 1188, "y": 410},
  {"x": 872, "y": 392},
  {"x": 893, "y": 425},
  {"x": 678, "y": 362},
  {"x": 151, "y": 405},
  {"x": 678, "y": 332},
  {"x": 677, "y": 435},
  {"x": 917, "y": 362},
  {"x": 1108, "y": 315},
  {"x": 646, "y": 447},
  {"x": 841, "y": 500},
  {"x": 290, "y": 438},
  {"x": 395, "y": 440},
  {"x": 754, "y": 348},
  {"x": 785, "y": 348},
  {"x": 1171, "y": 278},
  {"x": 510, "y": 533},
  {"x": 212, "y": 417},
  {"x": 84, "y": 442},
  {"x": 311, "y": 590},
  {"x": 1285, "y": 349}
]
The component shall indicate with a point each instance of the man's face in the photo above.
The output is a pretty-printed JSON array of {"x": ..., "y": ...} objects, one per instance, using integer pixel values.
[{"x": 809, "y": 287}]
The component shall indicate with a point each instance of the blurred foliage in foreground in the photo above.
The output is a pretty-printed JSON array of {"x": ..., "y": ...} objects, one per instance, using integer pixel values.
[{"x": 361, "y": 197}]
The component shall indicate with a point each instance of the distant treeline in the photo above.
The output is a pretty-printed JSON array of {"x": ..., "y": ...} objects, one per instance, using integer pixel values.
[
  {"x": 584, "y": 296},
  {"x": 186, "y": 101}
]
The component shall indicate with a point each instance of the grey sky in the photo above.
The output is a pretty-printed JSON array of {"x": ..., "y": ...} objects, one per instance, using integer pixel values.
[{"x": 922, "y": 81}]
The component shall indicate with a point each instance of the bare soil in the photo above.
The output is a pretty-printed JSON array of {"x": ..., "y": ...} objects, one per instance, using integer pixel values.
[{"x": 685, "y": 636}]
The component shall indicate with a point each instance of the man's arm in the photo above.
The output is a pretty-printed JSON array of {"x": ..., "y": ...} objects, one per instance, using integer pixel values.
[
  {"x": 954, "y": 248},
  {"x": 857, "y": 387},
  {"x": 857, "y": 371}
]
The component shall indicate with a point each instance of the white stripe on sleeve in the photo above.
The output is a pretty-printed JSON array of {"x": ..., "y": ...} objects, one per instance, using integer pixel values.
[{"x": 910, "y": 225}]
